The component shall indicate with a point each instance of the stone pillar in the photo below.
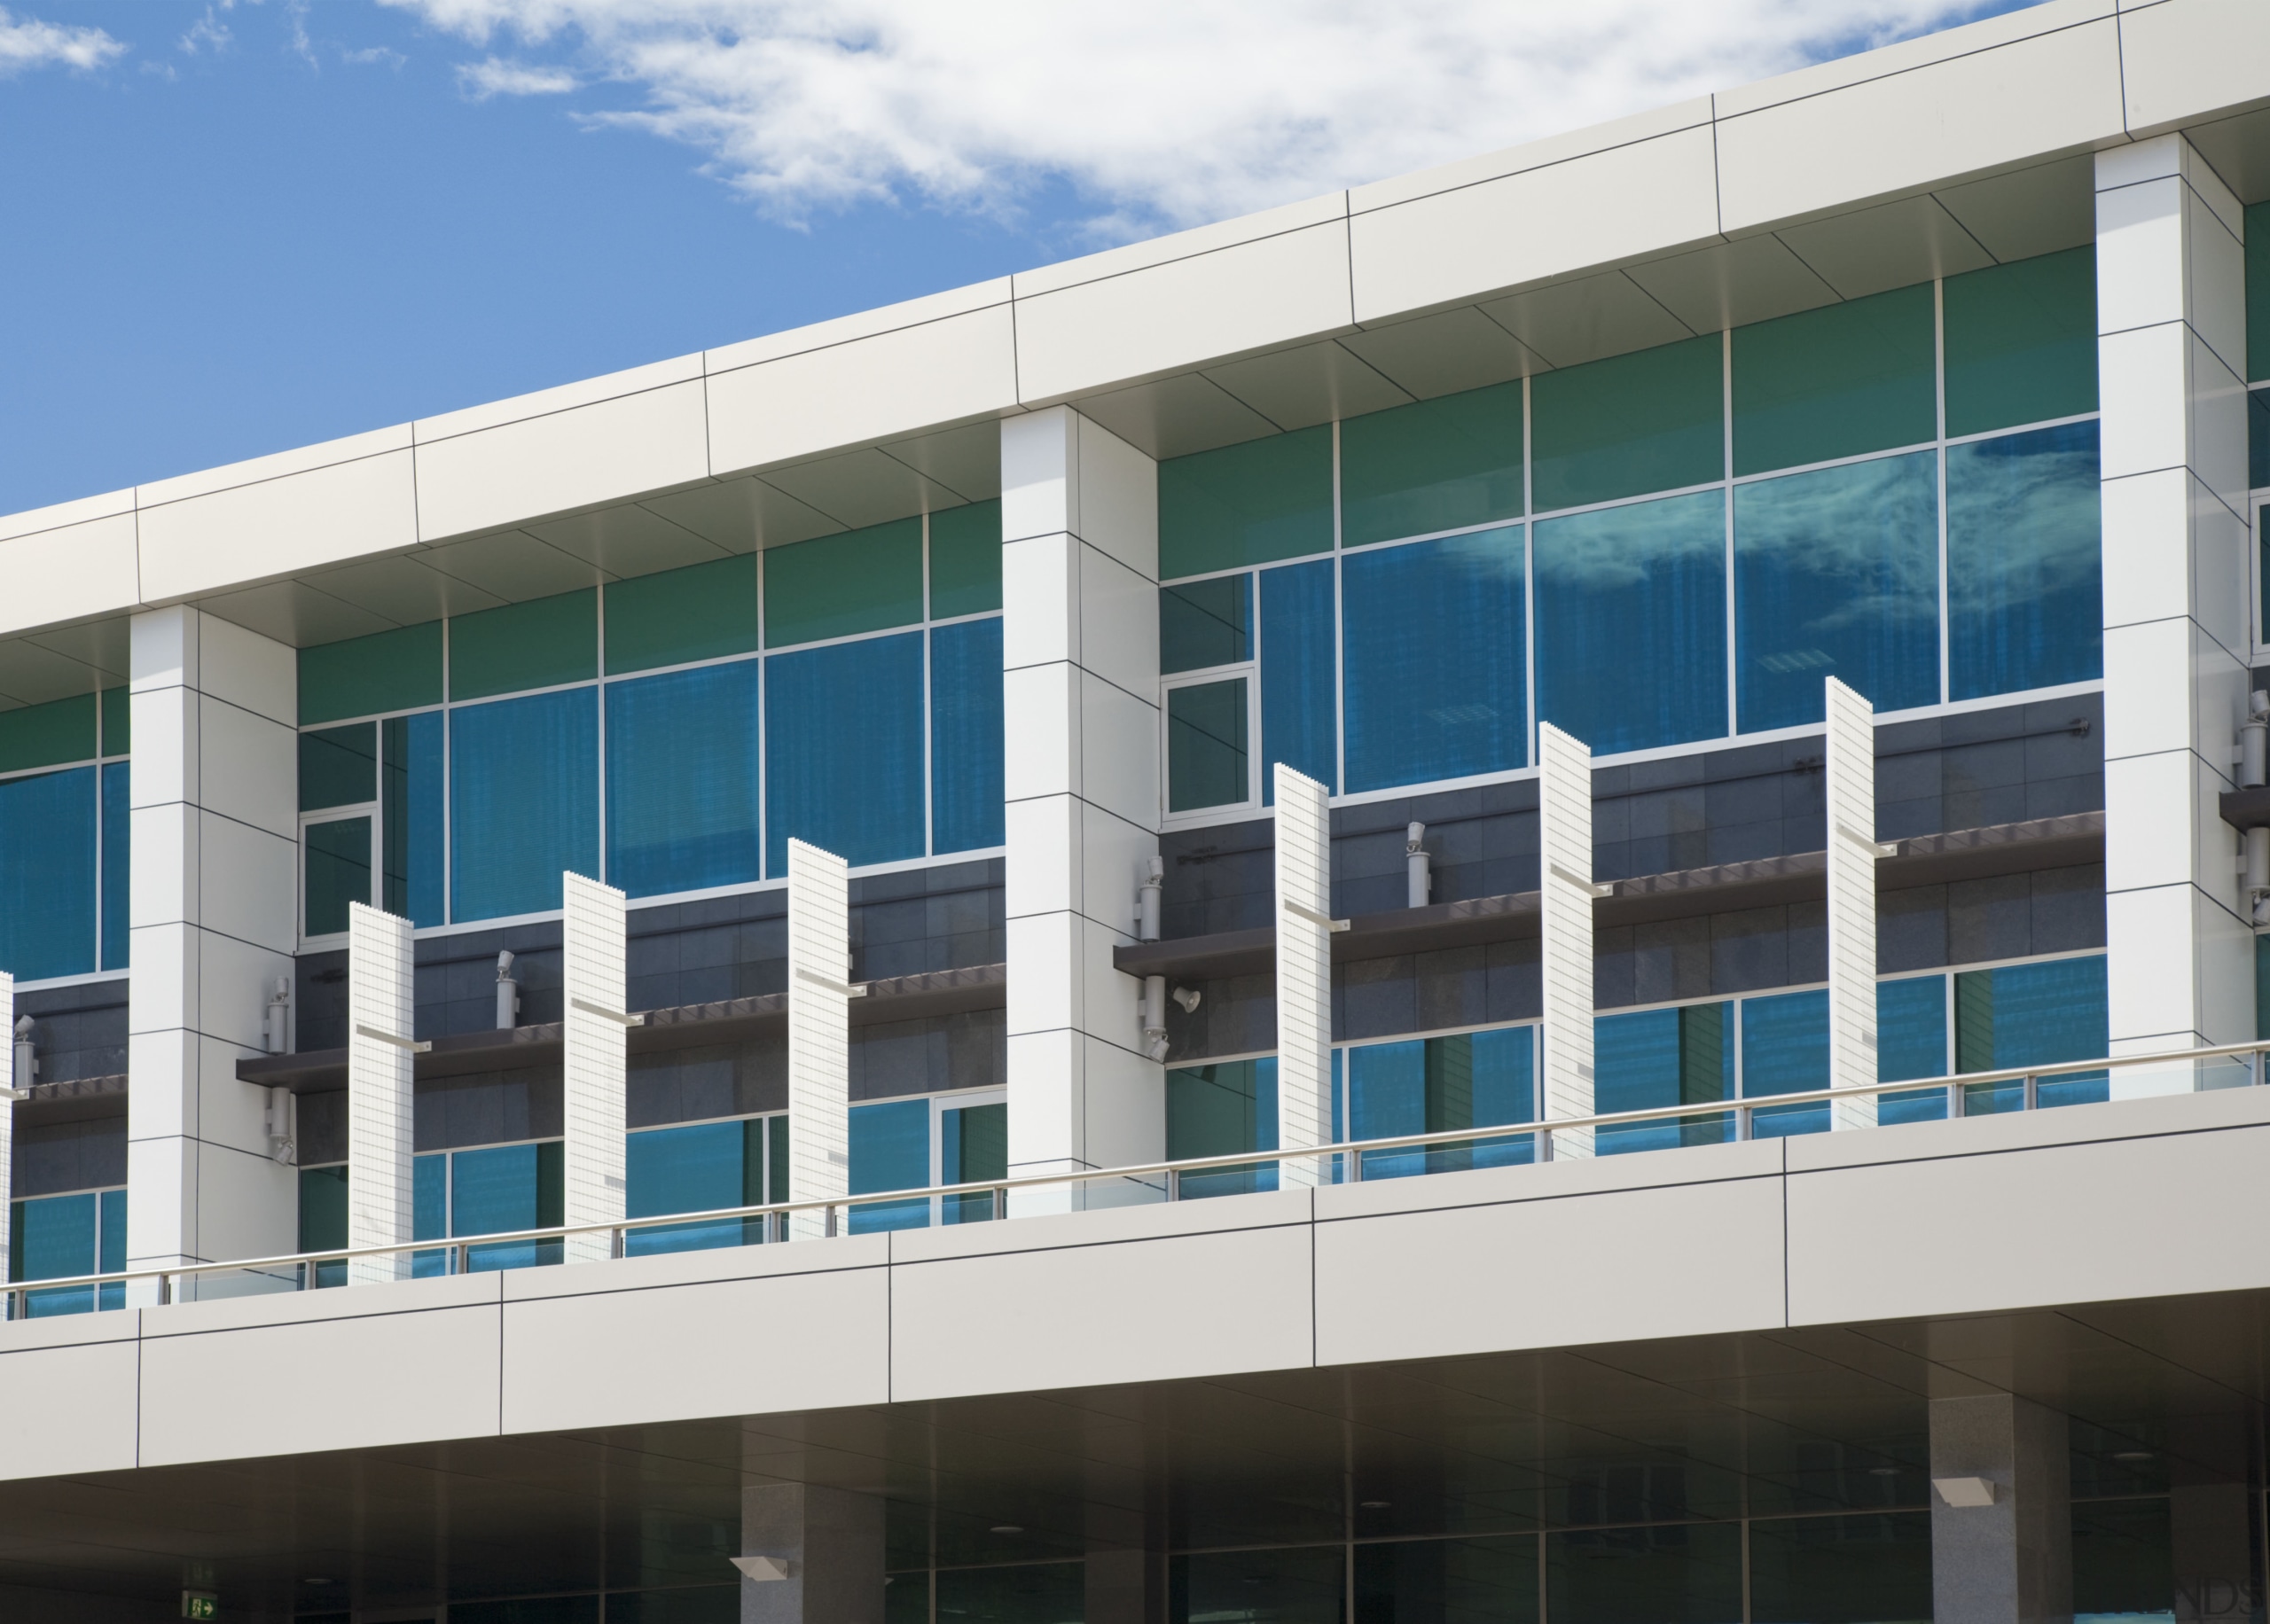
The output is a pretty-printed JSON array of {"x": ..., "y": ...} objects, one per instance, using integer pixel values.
[
  {"x": 1849, "y": 768},
  {"x": 213, "y": 925},
  {"x": 2171, "y": 324},
  {"x": 827, "y": 1544},
  {"x": 382, "y": 1143},
  {"x": 1080, "y": 691},
  {"x": 596, "y": 1064},
  {"x": 2002, "y": 1512},
  {"x": 820, "y": 1034},
  {"x": 1304, "y": 974},
  {"x": 1565, "y": 895}
]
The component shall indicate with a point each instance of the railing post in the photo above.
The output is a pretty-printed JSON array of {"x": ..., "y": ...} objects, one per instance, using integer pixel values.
[
  {"x": 1000, "y": 1203},
  {"x": 2032, "y": 1093},
  {"x": 1954, "y": 1100},
  {"x": 616, "y": 1241},
  {"x": 1545, "y": 1145},
  {"x": 165, "y": 1288},
  {"x": 1744, "y": 1126},
  {"x": 1174, "y": 1183},
  {"x": 1355, "y": 1159},
  {"x": 463, "y": 1258},
  {"x": 830, "y": 1229}
]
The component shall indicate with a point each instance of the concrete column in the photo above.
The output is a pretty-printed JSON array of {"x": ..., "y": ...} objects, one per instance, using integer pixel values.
[
  {"x": 212, "y": 917},
  {"x": 597, "y": 1059},
  {"x": 2171, "y": 323},
  {"x": 1303, "y": 973},
  {"x": 1565, "y": 895},
  {"x": 1080, "y": 690},
  {"x": 1849, "y": 771},
  {"x": 382, "y": 1009},
  {"x": 1125, "y": 1585},
  {"x": 828, "y": 1546},
  {"x": 819, "y": 1034},
  {"x": 2002, "y": 1512}
]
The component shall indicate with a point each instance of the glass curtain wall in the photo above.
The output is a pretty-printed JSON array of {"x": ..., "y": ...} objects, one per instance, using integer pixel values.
[
  {"x": 668, "y": 734},
  {"x": 55, "y": 1237},
  {"x": 64, "y": 781},
  {"x": 1657, "y": 549}
]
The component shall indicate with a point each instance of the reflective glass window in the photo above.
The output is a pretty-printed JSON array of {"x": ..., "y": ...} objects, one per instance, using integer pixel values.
[
  {"x": 523, "y": 801},
  {"x": 117, "y": 721},
  {"x": 54, "y": 1236},
  {"x": 47, "y": 735},
  {"x": 1435, "y": 660},
  {"x": 1647, "y": 1059},
  {"x": 1205, "y": 623},
  {"x": 338, "y": 872},
  {"x": 682, "y": 791},
  {"x": 1912, "y": 1042},
  {"x": 1867, "y": 1569},
  {"x": 2025, "y": 604},
  {"x": 1221, "y": 1110},
  {"x": 972, "y": 1146},
  {"x": 429, "y": 1212},
  {"x": 1663, "y": 1573},
  {"x": 675, "y": 616},
  {"x": 1447, "y": 1582},
  {"x": 541, "y": 643},
  {"x": 889, "y": 1150},
  {"x": 838, "y": 585},
  {"x": 2034, "y": 1014},
  {"x": 1206, "y": 746},
  {"x": 411, "y": 810},
  {"x": 2021, "y": 342},
  {"x": 1652, "y": 420},
  {"x": 1251, "y": 503},
  {"x": 2124, "y": 1555},
  {"x": 1631, "y": 623},
  {"x": 360, "y": 676},
  {"x": 2257, "y": 439},
  {"x": 966, "y": 560},
  {"x": 47, "y": 874},
  {"x": 1299, "y": 1586},
  {"x": 1021, "y": 1593},
  {"x": 966, "y": 736},
  {"x": 700, "y": 1167},
  {"x": 502, "y": 1188},
  {"x": 117, "y": 860},
  {"x": 1840, "y": 381},
  {"x": 1299, "y": 720},
  {"x": 1438, "y": 464},
  {"x": 322, "y": 1209},
  {"x": 1438, "y": 1085},
  {"x": 2257, "y": 292},
  {"x": 339, "y": 767},
  {"x": 1836, "y": 574},
  {"x": 1785, "y": 1050},
  {"x": 843, "y": 750}
]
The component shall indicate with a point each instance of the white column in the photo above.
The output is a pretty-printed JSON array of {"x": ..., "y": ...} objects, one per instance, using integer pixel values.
[
  {"x": 1565, "y": 894},
  {"x": 8, "y": 1112},
  {"x": 381, "y": 1010},
  {"x": 1080, "y": 690},
  {"x": 597, "y": 1063},
  {"x": 212, "y": 912},
  {"x": 819, "y": 1031},
  {"x": 1303, "y": 973},
  {"x": 2171, "y": 323},
  {"x": 1849, "y": 776}
]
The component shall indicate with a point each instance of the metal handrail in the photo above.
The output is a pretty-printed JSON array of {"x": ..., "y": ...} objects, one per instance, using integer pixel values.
[{"x": 1168, "y": 1175}]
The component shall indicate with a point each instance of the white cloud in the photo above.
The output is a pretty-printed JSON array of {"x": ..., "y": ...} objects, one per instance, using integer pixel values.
[
  {"x": 1160, "y": 113},
  {"x": 27, "y": 43}
]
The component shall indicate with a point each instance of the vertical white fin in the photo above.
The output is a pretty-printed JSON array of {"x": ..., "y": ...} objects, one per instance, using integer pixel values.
[
  {"x": 597, "y": 1061},
  {"x": 381, "y": 1010},
  {"x": 1303, "y": 973},
  {"x": 1848, "y": 774},
  {"x": 8, "y": 1114},
  {"x": 1565, "y": 893},
  {"x": 819, "y": 1031}
]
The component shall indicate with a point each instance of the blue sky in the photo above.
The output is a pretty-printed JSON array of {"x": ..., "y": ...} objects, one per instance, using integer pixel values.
[{"x": 256, "y": 225}]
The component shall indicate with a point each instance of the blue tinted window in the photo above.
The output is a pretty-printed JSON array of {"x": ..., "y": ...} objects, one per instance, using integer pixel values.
[
  {"x": 2025, "y": 606},
  {"x": 1435, "y": 660},
  {"x": 1438, "y": 1085},
  {"x": 1297, "y": 719},
  {"x": 57, "y": 1237},
  {"x": 890, "y": 1150},
  {"x": 47, "y": 874},
  {"x": 693, "y": 1169},
  {"x": 1631, "y": 623},
  {"x": 681, "y": 780},
  {"x": 422, "y": 761},
  {"x": 1912, "y": 1042},
  {"x": 118, "y": 846},
  {"x": 1654, "y": 1058},
  {"x": 965, "y": 784},
  {"x": 2032, "y": 1015},
  {"x": 1785, "y": 1050},
  {"x": 524, "y": 799},
  {"x": 1836, "y": 574},
  {"x": 429, "y": 1211},
  {"x": 501, "y": 1188},
  {"x": 843, "y": 750}
]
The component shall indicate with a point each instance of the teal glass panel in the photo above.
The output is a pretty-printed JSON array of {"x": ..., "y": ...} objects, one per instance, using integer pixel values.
[
  {"x": 1223, "y": 1109},
  {"x": 1206, "y": 746},
  {"x": 840, "y": 586},
  {"x": 1785, "y": 1050},
  {"x": 1649, "y": 1058},
  {"x": 47, "y": 735},
  {"x": 1022, "y": 1593},
  {"x": 1836, "y": 574},
  {"x": 1912, "y": 1042},
  {"x": 2021, "y": 342},
  {"x": 2257, "y": 292},
  {"x": 362, "y": 676},
  {"x": 698, "y": 1168},
  {"x": 1298, "y": 718},
  {"x": 1440, "y": 465},
  {"x": 843, "y": 751},
  {"x": 682, "y": 791},
  {"x": 1438, "y": 1085},
  {"x": 322, "y": 1209},
  {"x": 429, "y": 1212},
  {"x": 541, "y": 644},
  {"x": 2035, "y": 1014},
  {"x": 59, "y": 1237},
  {"x": 889, "y": 1150},
  {"x": 111, "y": 1233},
  {"x": 1250, "y": 503},
  {"x": 523, "y": 801},
  {"x": 416, "y": 861},
  {"x": 676, "y": 616},
  {"x": 1631, "y": 623},
  {"x": 967, "y": 740},
  {"x": 966, "y": 560},
  {"x": 2262, "y": 986},
  {"x": 47, "y": 874},
  {"x": 1435, "y": 660},
  {"x": 1839, "y": 381},
  {"x": 117, "y": 721},
  {"x": 2257, "y": 439},
  {"x": 337, "y": 872},
  {"x": 117, "y": 860},
  {"x": 1652, "y": 420},
  {"x": 2025, "y": 602},
  {"x": 1206, "y": 623},
  {"x": 972, "y": 1146},
  {"x": 502, "y": 1188},
  {"x": 1297, "y": 1585},
  {"x": 339, "y": 767},
  {"x": 1447, "y": 1582},
  {"x": 1864, "y": 1569},
  {"x": 1664, "y": 1573}
]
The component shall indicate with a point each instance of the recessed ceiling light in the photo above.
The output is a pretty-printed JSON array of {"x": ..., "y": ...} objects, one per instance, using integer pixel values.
[
  {"x": 2133, "y": 1455},
  {"x": 1883, "y": 1472},
  {"x": 1374, "y": 1506},
  {"x": 1007, "y": 1528},
  {"x": 317, "y": 1580}
]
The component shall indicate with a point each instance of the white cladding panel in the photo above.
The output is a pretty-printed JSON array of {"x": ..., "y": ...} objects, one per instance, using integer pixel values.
[
  {"x": 381, "y": 1012},
  {"x": 819, "y": 1031},
  {"x": 1303, "y": 971},
  {"x": 8, "y": 1080},
  {"x": 1564, "y": 881},
  {"x": 597, "y": 1061},
  {"x": 1851, "y": 781}
]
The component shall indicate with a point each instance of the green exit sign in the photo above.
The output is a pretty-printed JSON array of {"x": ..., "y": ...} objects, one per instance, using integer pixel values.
[{"x": 200, "y": 1604}]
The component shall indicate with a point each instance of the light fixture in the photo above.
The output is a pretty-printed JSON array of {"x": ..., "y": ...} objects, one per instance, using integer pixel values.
[
  {"x": 1964, "y": 1493},
  {"x": 2132, "y": 1455},
  {"x": 764, "y": 1570},
  {"x": 1883, "y": 1472},
  {"x": 1008, "y": 1528},
  {"x": 319, "y": 1579}
]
